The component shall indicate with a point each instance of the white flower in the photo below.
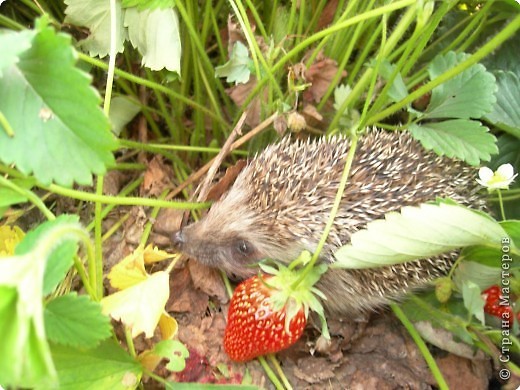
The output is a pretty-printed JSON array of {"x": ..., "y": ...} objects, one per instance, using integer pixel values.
[{"x": 500, "y": 179}]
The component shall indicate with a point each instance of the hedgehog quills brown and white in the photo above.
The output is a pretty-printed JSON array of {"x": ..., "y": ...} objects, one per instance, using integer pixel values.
[{"x": 280, "y": 203}]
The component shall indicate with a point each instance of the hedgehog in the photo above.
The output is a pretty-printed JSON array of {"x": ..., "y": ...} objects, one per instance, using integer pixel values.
[{"x": 281, "y": 201}]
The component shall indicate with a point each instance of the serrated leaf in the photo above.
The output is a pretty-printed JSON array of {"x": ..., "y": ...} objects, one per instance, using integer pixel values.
[
  {"x": 397, "y": 90},
  {"x": 76, "y": 321},
  {"x": 470, "y": 94},
  {"x": 61, "y": 258},
  {"x": 237, "y": 69},
  {"x": 122, "y": 111},
  {"x": 26, "y": 360},
  {"x": 95, "y": 15},
  {"x": 108, "y": 366},
  {"x": 148, "y": 4},
  {"x": 140, "y": 306},
  {"x": 39, "y": 97},
  {"x": 463, "y": 139},
  {"x": 341, "y": 93},
  {"x": 155, "y": 33},
  {"x": 505, "y": 112},
  {"x": 473, "y": 300},
  {"x": 417, "y": 232},
  {"x": 12, "y": 44}
]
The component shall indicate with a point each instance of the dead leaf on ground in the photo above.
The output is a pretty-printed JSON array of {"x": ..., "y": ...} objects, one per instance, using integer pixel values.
[
  {"x": 134, "y": 226},
  {"x": 208, "y": 280},
  {"x": 239, "y": 93},
  {"x": 327, "y": 14},
  {"x": 226, "y": 181},
  {"x": 113, "y": 182},
  {"x": 320, "y": 75},
  {"x": 157, "y": 177},
  {"x": 184, "y": 297}
]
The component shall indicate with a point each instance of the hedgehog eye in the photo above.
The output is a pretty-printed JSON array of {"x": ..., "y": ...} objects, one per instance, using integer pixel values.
[{"x": 243, "y": 247}]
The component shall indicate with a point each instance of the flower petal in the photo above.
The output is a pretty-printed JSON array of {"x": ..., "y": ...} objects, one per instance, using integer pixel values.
[{"x": 485, "y": 174}]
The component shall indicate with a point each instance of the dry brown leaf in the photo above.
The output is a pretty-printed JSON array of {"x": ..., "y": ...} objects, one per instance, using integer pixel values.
[
  {"x": 327, "y": 14},
  {"x": 184, "y": 296},
  {"x": 208, "y": 280},
  {"x": 226, "y": 181},
  {"x": 320, "y": 75},
  {"x": 239, "y": 93},
  {"x": 157, "y": 177}
]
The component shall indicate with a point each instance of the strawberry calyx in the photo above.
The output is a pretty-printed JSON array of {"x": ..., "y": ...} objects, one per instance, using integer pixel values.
[{"x": 294, "y": 289}]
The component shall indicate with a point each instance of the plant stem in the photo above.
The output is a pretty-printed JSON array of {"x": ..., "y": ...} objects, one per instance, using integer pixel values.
[
  {"x": 501, "y": 203},
  {"x": 335, "y": 207},
  {"x": 272, "y": 376},
  {"x": 422, "y": 347},
  {"x": 31, "y": 196},
  {"x": 122, "y": 201}
]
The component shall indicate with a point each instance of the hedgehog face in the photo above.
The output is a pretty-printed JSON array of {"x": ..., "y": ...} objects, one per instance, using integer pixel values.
[{"x": 226, "y": 238}]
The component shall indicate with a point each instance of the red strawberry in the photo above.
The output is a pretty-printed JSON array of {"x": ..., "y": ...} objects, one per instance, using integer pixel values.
[
  {"x": 254, "y": 327},
  {"x": 268, "y": 313},
  {"x": 493, "y": 296}
]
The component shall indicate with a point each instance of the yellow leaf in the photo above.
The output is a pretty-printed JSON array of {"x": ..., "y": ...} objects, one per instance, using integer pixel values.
[
  {"x": 129, "y": 271},
  {"x": 9, "y": 238},
  {"x": 153, "y": 255},
  {"x": 140, "y": 307},
  {"x": 168, "y": 326},
  {"x": 149, "y": 360}
]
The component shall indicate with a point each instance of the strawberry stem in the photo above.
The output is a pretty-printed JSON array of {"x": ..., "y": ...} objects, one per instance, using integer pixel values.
[{"x": 335, "y": 207}]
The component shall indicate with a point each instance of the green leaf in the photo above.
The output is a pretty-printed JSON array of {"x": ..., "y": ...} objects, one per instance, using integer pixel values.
[
  {"x": 95, "y": 15},
  {"x": 505, "y": 113},
  {"x": 397, "y": 90},
  {"x": 12, "y": 44},
  {"x": 122, "y": 111},
  {"x": 39, "y": 97},
  {"x": 466, "y": 140},
  {"x": 479, "y": 274},
  {"x": 237, "y": 69},
  {"x": 175, "y": 351},
  {"x": 426, "y": 308},
  {"x": 513, "y": 231},
  {"x": 148, "y": 4},
  {"x": 473, "y": 300},
  {"x": 26, "y": 360},
  {"x": 155, "y": 33},
  {"x": 418, "y": 232},
  {"x": 349, "y": 116},
  {"x": 106, "y": 367},
  {"x": 76, "y": 321},
  {"x": 60, "y": 259},
  {"x": 470, "y": 94}
]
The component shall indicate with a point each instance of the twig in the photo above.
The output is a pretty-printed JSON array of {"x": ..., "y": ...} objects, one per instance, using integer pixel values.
[
  {"x": 242, "y": 140},
  {"x": 217, "y": 160}
]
